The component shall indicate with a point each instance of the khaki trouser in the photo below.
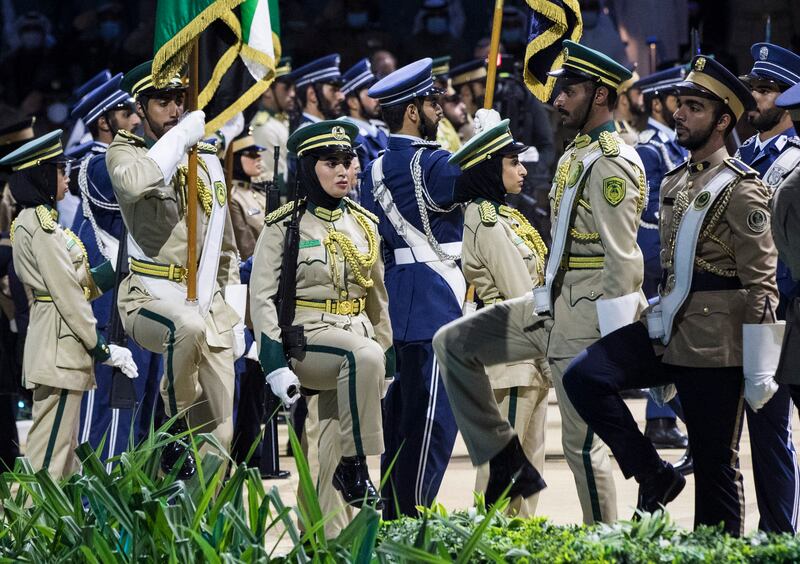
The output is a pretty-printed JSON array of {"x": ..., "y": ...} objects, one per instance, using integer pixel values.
[
  {"x": 511, "y": 332},
  {"x": 197, "y": 377},
  {"x": 54, "y": 435},
  {"x": 344, "y": 419},
  {"x": 525, "y": 407}
]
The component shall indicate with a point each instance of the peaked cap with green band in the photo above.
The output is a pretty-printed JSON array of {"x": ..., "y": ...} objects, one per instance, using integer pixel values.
[
  {"x": 331, "y": 134},
  {"x": 139, "y": 80},
  {"x": 496, "y": 140},
  {"x": 586, "y": 63},
  {"x": 47, "y": 148}
]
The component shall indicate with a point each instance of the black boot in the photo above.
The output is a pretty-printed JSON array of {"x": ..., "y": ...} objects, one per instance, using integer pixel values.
[
  {"x": 173, "y": 451},
  {"x": 511, "y": 466},
  {"x": 658, "y": 488},
  {"x": 351, "y": 478},
  {"x": 663, "y": 432},
  {"x": 685, "y": 464}
]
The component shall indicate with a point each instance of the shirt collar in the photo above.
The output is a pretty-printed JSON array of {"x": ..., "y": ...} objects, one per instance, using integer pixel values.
[
  {"x": 591, "y": 136},
  {"x": 313, "y": 119},
  {"x": 324, "y": 213},
  {"x": 713, "y": 160}
]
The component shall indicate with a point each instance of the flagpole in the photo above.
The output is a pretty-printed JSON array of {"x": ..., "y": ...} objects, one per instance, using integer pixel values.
[
  {"x": 191, "y": 197},
  {"x": 491, "y": 73}
]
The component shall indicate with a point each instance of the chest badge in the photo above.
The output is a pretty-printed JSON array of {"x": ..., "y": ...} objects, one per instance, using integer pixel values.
[
  {"x": 614, "y": 190},
  {"x": 575, "y": 172},
  {"x": 702, "y": 200},
  {"x": 221, "y": 192}
]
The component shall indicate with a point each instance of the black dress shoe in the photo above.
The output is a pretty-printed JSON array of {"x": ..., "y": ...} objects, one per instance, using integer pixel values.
[
  {"x": 659, "y": 488},
  {"x": 511, "y": 466},
  {"x": 175, "y": 449},
  {"x": 351, "y": 478},
  {"x": 685, "y": 464},
  {"x": 664, "y": 433}
]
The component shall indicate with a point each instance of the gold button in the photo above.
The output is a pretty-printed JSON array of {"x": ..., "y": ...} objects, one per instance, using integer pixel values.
[
  {"x": 591, "y": 294},
  {"x": 705, "y": 310},
  {"x": 343, "y": 294}
]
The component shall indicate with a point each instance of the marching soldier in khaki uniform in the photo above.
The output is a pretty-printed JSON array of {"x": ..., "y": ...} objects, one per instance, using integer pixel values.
[
  {"x": 63, "y": 342},
  {"x": 716, "y": 314},
  {"x": 341, "y": 304},
  {"x": 503, "y": 258},
  {"x": 248, "y": 201},
  {"x": 200, "y": 341},
  {"x": 270, "y": 125},
  {"x": 592, "y": 286}
]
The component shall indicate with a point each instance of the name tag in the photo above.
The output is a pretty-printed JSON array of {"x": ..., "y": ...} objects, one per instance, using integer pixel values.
[
  {"x": 253, "y": 211},
  {"x": 310, "y": 243}
]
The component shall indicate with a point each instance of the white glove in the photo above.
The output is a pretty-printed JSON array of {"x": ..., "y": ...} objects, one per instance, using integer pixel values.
[
  {"x": 171, "y": 148},
  {"x": 760, "y": 353},
  {"x": 123, "y": 359},
  {"x": 485, "y": 120},
  {"x": 282, "y": 380},
  {"x": 193, "y": 126},
  {"x": 252, "y": 353},
  {"x": 238, "y": 340},
  {"x": 387, "y": 382},
  {"x": 232, "y": 128}
]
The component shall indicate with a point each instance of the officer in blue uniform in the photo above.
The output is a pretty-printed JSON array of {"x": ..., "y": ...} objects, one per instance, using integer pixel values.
[
  {"x": 775, "y": 468},
  {"x": 659, "y": 150},
  {"x": 360, "y": 108},
  {"x": 410, "y": 188},
  {"x": 98, "y": 223}
]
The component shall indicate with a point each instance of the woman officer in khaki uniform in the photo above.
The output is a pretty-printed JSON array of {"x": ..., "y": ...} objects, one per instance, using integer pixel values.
[
  {"x": 341, "y": 303},
  {"x": 503, "y": 257},
  {"x": 62, "y": 343}
]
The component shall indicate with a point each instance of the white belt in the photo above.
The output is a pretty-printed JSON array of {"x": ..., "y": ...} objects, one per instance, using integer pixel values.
[{"x": 424, "y": 253}]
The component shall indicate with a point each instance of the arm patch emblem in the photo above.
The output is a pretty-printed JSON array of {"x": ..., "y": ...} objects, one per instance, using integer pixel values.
[{"x": 614, "y": 190}]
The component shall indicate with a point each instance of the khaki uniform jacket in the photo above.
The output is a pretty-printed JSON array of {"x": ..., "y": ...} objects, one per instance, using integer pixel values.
[
  {"x": 601, "y": 257},
  {"x": 735, "y": 242},
  {"x": 270, "y": 131},
  {"x": 315, "y": 279},
  {"x": 502, "y": 265},
  {"x": 786, "y": 221},
  {"x": 154, "y": 213},
  {"x": 51, "y": 261},
  {"x": 248, "y": 208}
]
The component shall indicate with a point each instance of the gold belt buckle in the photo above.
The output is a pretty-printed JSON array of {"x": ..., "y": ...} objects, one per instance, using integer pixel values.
[{"x": 345, "y": 307}]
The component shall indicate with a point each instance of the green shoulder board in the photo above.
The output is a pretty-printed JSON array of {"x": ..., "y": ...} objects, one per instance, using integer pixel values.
[
  {"x": 131, "y": 138},
  {"x": 608, "y": 144},
  {"x": 45, "y": 218},
  {"x": 739, "y": 167},
  {"x": 487, "y": 212},
  {"x": 281, "y": 212},
  {"x": 360, "y": 209}
]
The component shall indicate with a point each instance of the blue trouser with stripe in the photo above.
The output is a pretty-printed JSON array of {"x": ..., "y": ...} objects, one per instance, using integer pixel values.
[
  {"x": 419, "y": 431},
  {"x": 121, "y": 426},
  {"x": 712, "y": 403}
]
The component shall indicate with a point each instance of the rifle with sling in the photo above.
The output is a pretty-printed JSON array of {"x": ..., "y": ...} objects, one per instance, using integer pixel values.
[{"x": 122, "y": 394}]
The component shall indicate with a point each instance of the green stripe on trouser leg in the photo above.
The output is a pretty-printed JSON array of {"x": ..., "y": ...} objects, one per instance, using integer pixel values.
[
  {"x": 166, "y": 322},
  {"x": 51, "y": 443},
  {"x": 512, "y": 407},
  {"x": 587, "y": 465},
  {"x": 352, "y": 397}
]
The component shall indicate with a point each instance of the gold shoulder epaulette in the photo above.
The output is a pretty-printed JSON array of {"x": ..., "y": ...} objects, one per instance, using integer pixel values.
[
  {"x": 677, "y": 168},
  {"x": 260, "y": 118},
  {"x": 361, "y": 209},
  {"x": 608, "y": 144},
  {"x": 487, "y": 212},
  {"x": 12, "y": 229},
  {"x": 131, "y": 138},
  {"x": 739, "y": 167},
  {"x": 281, "y": 212},
  {"x": 206, "y": 148},
  {"x": 45, "y": 217}
]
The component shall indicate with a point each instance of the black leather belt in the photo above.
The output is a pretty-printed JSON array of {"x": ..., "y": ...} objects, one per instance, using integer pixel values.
[{"x": 708, "y": 282}]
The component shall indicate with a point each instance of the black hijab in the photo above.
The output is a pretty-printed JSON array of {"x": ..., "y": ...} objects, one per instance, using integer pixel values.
[
  {"x": 309, "y": 182},
  {"x": 35, "y": 186},
  {"x": 484, "y": 180}
]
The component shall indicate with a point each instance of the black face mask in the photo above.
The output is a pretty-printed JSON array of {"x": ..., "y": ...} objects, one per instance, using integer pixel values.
[
  {"x": 310, "y": 185},
  {"x": 35, "y": 186},
  {"x": 484, "y": 180}
]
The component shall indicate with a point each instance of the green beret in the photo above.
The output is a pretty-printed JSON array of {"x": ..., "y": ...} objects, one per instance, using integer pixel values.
[
  {"x": 332, "y": 134},
  {"x": 46, "y": 148},
  {"x": 139, "y": 80}
]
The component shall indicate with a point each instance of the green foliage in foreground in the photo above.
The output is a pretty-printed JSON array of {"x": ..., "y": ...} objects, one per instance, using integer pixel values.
[{"x": 135, "y": 514}]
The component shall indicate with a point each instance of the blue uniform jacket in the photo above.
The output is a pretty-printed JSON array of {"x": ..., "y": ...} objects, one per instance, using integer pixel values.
[
  {"x": 370, "y": 142},
  {"x": 420, "y": 301},
  {"x": 761, "y": 160}
]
